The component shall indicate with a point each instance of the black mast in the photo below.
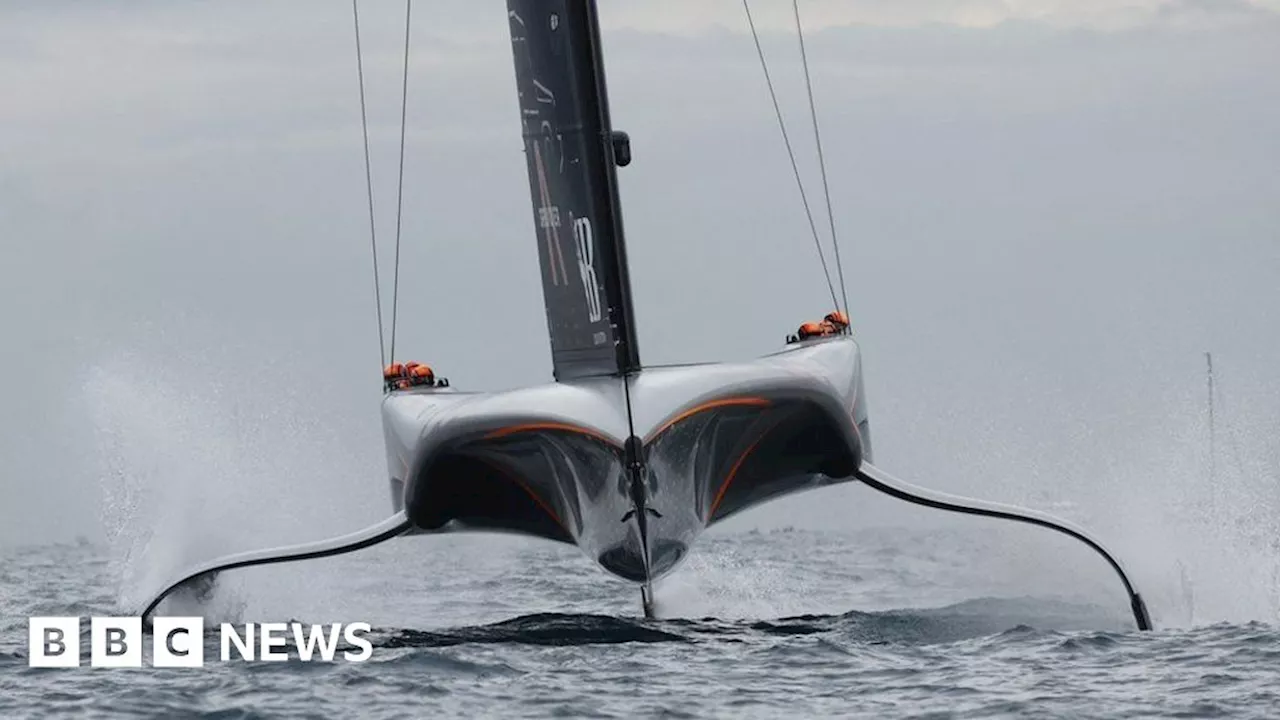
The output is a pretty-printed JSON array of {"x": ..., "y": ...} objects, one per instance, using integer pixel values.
[
  {"x": 1213, "y": 451},
  {"x": 572, "y": 153}
]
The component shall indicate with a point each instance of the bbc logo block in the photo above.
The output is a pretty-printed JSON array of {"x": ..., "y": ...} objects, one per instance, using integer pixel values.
[
  {"x": 53, "y": 642},
  {"x": 179, "y": 642},
  {"x": 115, "y": 642}
]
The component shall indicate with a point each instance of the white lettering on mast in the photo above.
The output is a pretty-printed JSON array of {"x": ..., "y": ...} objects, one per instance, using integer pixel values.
[
  {"x": 545, "y": 96},
  {"x": 585, "y": 243},
  {"x": 549, "y": 221},
  {"x": 548, "y": 212}
]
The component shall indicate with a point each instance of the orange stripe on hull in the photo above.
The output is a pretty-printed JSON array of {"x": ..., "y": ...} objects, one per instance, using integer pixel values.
[
  {"x": 733, "y": 471},
  {"x": 748, "y": 401},
  {"x": 554, "y": 426},
  {"x": 737, "y": 465}
]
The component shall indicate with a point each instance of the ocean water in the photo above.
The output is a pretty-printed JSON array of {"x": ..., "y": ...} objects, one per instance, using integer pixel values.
[
  {"x": 482, "y": 627},
  {"x": 882, "y": 615}
]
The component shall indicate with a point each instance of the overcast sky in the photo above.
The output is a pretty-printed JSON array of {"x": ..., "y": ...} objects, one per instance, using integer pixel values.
[{"x": 1048, "y": 209}]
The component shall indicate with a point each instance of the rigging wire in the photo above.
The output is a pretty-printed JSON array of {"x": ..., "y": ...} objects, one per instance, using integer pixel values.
[
  {"x": 404, "y": 105},
  {"x": 368, "y": 179},
  {"x": 384, "y": 351},
  {"x": 786, "y": 139},
  {"x": 822, "y": 162}
]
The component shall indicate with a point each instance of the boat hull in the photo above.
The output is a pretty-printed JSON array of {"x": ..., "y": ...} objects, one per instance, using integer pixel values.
[{"x": 554, "y": 461}]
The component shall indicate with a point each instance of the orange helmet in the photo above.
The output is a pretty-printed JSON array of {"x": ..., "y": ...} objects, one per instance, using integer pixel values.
[
  {"x": 419, "y": 371},
  {"x": 810, "y": 329},
  {"x": 837, "y": 318},
  {"x": 392, "y": 371}
]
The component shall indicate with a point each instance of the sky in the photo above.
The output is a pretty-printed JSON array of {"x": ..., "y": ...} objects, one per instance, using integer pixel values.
[{"x": 1048, "y": 210}]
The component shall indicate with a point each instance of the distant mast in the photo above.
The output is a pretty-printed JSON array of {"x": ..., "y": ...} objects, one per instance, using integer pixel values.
[
  {"x": 571, "y": 152},
  {"x": 1213, "y": 452}
]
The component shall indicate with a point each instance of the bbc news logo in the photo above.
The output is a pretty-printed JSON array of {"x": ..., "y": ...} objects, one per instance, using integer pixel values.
[{"x": 54, "y": 642}]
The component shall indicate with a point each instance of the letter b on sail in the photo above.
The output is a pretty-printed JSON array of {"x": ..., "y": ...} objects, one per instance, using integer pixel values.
[{"x": 586, "y": 267}]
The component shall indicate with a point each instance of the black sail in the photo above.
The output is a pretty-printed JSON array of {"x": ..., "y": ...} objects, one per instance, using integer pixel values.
[{"x": 570, "y": 151}]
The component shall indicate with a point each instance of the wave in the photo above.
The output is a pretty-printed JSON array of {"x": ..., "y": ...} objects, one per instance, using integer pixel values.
[{"x": 983, "y": 617}]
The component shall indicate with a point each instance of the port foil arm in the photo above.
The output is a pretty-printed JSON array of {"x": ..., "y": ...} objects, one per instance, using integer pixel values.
[
  {"x": 882, "y": 481},
  {"x": 393, "y": 526}
]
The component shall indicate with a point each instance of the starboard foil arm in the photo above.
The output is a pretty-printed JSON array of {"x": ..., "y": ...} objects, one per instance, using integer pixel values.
[
  {"x": 882, "y": 481},
  {"x": 392, "y": 527}
]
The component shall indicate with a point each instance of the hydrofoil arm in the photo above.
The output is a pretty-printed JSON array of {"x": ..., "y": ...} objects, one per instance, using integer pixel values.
[
  {"x": 391, "y": 527},
  {"x": 880, "y": 480}
]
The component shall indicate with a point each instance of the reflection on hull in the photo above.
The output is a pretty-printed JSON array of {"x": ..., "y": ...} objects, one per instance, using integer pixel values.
[
  {"x": 627, "y": 560},
  {"x": 554, "y": 462}
]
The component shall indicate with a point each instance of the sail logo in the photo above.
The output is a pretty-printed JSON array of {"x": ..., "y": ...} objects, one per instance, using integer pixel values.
[
  {"x": 549, "y": 216},
  {"x": 585, "y": 242},
  {"x": 54, "y": 642},
  {"x": 549, "y": 220}
]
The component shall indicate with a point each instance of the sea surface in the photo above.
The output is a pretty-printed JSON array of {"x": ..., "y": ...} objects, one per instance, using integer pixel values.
[{"x": 880, "y": 622}]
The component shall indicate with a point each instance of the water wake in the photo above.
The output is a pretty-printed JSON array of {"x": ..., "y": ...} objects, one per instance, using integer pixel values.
[{"x": 191, "y": 471}]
